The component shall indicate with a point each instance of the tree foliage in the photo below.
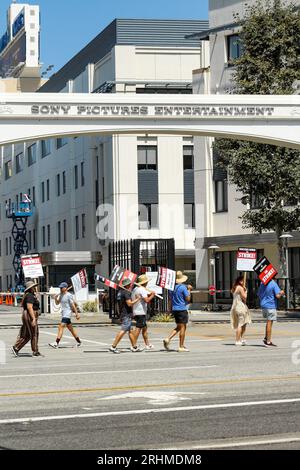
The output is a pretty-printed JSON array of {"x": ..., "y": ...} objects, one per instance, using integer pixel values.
[{"x": 269, "y": 64}]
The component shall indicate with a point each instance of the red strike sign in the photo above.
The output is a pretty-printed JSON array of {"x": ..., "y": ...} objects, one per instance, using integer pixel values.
[{"x": 265, "y": 270}]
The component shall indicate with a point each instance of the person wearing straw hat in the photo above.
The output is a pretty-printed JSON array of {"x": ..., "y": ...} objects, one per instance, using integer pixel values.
[
  {"x": 179, "y": 300},
  {"x": 29, "y": 330},
  {"x": 125, "y": 304},
  {"x": 68, "y": 306},
  {"x": 140, "y": 309}
]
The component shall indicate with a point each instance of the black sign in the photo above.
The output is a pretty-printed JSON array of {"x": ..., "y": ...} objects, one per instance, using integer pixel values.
[{"x": 265, "y": 270}]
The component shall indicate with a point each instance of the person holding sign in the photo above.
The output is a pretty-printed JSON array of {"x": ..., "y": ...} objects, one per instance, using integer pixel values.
[
  {"x": 179, "y": 300},
  {"x": 140, "y": 308},
  {"x": 268, "y": 295},
  {"x": 65, "y": 299},
  {"x": 240, "y": 315}
]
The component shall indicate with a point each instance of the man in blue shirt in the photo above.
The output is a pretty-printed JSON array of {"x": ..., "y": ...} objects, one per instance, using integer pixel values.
[
  {"x": 179, "y": 300},
  {"x": 268, "y": 296}
]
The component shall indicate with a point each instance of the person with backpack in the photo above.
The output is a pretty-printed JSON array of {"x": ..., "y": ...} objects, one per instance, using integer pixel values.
[
  {"x": 68, "y": 306},
  {"x": 29, "y": 330},
  {"x": 124, "y": 306},
  {"x": 178, "y": 304}
]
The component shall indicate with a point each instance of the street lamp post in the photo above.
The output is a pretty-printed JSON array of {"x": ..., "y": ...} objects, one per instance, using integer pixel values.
[
  {"x": 212, "y": 261},
  {"x": 285, "y": 237}
]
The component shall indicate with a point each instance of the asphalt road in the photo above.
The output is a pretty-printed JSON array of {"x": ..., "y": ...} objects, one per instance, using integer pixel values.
[{"x": 217, "y": 396}]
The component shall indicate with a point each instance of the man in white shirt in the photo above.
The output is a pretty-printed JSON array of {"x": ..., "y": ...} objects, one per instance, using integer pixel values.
[
  {"x": 65, "y": 299},
  {"x": 140, "y": 309}
]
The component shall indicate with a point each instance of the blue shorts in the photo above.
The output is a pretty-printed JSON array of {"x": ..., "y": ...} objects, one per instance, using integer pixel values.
[
  {"x": 66, "y": 321},
  {"x": 270, "y": 314},
  {"x": 126, "y": 324}
]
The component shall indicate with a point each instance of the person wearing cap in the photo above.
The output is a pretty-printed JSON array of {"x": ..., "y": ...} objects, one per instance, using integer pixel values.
[
  {"x": 124, "y": 304},
  {"x": 29, "y": 330},
  {"x": 140, "y": 309},
  {"x": 179, "y": 300},
  {"x": 65, "y": 299}
]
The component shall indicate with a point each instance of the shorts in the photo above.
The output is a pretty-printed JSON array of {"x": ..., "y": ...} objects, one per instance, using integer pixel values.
[
  {"x": 126, "y": 324},
  {"x": 181, "y": 317},
  {"x": 141, "y": 321},
  {"x": 270, "y": 314},
  {"x": 66, "y": 321}
]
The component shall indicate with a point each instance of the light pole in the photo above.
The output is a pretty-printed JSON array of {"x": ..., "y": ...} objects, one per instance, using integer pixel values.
[
  {"x": 285, "y": 237},
  {"x": 212, "y": 262}
]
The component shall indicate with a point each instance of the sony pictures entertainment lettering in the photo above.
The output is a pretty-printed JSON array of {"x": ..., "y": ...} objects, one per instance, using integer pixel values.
[{"x": 165, "y": 111}]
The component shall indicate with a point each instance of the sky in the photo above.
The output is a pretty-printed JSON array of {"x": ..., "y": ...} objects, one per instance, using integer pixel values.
[{"x": 68, "y": 25}]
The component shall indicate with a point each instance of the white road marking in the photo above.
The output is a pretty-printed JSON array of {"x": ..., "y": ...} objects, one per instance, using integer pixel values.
[
  {"x": 105, "y": 372},
  {"x": 82, "y": 339},
  {"x": 147, "y": 411},
  {"x": 155, "y": 398},
  {"x": 254, "y": 442}
]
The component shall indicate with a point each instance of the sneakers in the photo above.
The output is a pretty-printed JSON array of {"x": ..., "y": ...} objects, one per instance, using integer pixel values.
[
  {"x": 166, "y": 344},
  {"x": 37, "y": 354},
  {"x": 53, "y": 345},
  {"x": 244, "y": 342},
  {"x": 114, "y": 350},
  {"x": 149, "y": 346},
  {"x": 183, "y": 349},
  {"x": 136, "y": 349},
  {"x": 239, "y": 343},
  {"x": 14, "y": 351},
  {"x": 269, "y": 343},
  {"x": 77, "y": 345}
]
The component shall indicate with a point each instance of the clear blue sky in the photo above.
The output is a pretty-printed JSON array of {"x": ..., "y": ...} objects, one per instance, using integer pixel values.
[{"x": 68, "y": 25}]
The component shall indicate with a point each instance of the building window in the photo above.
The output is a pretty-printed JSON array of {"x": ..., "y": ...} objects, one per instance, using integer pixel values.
[
  {"x": 76, "y": 176},
  {"x": 6, "y": 246},
  {"x": 76, "y": 227},
  {"x": 221, "y": 196},
  {"x": 10, "y": 245},
  {"x": 61, "y": 141},
  {"x": 58, "y": 232},
  {"x": 64, "y": 182},
  {"x": 31, "y": 154},
  {"x": 148, "y": 216},
  {"x": 30, "y": 240},
  {"x": 49, "y": 235},
  {"x": 19, "y": 162},
  {"x": 8, "y": 170},
  {"x": 147, "y": 157},
  {"x": 44, "y": 236},
  {"x": 65, "y": 230},
  {"x": 33, "y": 196},
  {"x": 43, "y": 191},
  {"x": 83, "y": 225},
  {"x": 82, "y": 173},
  {"x": 48, "y": 190},
  {"x": 189, "y": 215},
  {"x": 234, "y": 47},
  {"x": 34, "y": 239},
  {"x": 188, "y": 157},
  {"x": 46, "y": 148},
  {"x": 58, "y": 185}
]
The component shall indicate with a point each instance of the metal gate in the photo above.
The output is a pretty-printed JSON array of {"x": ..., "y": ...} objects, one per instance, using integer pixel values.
[{"x": 141, "y": 256}]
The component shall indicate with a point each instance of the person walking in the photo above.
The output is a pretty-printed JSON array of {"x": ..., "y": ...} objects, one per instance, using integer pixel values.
[
  {"x": 140, "y": 309},
  {"x": 268, "y": 296},
  {"x": 29, "y": 330},
  {"x": 240, "y": 314},
  {"x": 125, "y": 304},
  {"x": 178, "y": 304},
  {"x": 68, "y": 305}
]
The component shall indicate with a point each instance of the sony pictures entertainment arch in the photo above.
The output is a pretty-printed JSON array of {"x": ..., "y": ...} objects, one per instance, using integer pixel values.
[{"x": 271, "y": 119}]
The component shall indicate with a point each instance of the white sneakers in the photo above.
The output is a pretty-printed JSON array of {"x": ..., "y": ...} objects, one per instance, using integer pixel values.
[{"x": 241, "y": 343}]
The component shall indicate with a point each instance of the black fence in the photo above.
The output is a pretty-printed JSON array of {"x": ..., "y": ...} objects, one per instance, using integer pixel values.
[{"x": 141, "y": 256}]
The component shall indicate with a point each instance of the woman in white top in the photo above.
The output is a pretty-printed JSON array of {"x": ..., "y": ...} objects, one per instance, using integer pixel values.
[{"x": 240, "y": 315}]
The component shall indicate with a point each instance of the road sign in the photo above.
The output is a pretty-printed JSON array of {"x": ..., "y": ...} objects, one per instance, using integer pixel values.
[
  {"x": 265, "y": 270},
  {"x": 246, "y": 259}
]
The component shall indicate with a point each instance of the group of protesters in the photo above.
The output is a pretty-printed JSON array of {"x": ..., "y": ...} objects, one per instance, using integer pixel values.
[{"x": 133, "y": 305}]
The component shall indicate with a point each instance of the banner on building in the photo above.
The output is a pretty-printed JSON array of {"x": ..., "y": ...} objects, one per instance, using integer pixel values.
[
  {"x": 246, "y": 259},
  {"x": 166, "y": 278},
  {"x": 32, "y": 266},
  {"x": 265, "y": 270},
  {"x": 119, "y": 273}
]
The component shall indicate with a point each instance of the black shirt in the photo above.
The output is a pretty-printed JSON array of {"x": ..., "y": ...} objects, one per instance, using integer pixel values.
[
  {"x": 31, "y": 299},
  {"x": 124, "y": 310}
]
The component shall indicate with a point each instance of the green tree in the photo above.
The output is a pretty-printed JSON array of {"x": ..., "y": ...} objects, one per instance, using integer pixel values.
[{"x": 270, "y": 175}]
